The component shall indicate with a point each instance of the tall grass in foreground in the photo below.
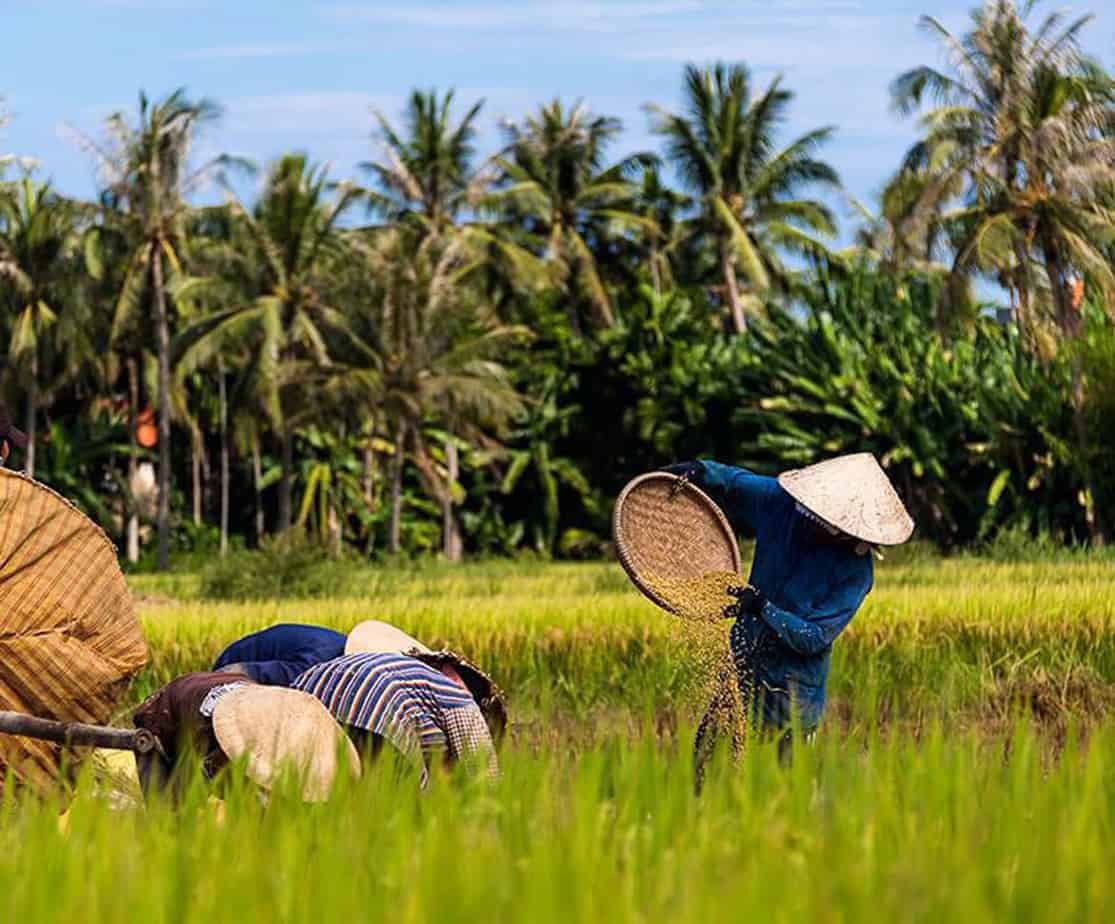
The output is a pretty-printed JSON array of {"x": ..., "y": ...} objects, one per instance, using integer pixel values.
[{"x": 956, "y": 827}]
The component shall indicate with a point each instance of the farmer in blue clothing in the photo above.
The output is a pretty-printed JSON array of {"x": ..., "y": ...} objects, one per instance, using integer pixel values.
[
  {"x": 816, "y": 530},
  {"x": 280, "y": 653}
]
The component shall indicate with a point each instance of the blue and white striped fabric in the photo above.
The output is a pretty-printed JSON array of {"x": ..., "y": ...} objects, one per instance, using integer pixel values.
[{"x": 418, "y": 709}]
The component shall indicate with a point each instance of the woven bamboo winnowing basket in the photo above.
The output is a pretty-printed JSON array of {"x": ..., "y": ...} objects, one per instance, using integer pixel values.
[
  {"x": 666, "y": 528},
  {"x": 69, "y": 640}
]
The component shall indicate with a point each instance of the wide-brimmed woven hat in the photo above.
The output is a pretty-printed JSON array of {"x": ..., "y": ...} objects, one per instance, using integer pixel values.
[
  {"x": 69, "y": 639},
  {"x": 276, "y": 727},
  {"x": 488, "y": 696},
  {"x": 375, "y": 637},
  {"x": 668, "y": 530},
  {"x": 853, "y": 494}
]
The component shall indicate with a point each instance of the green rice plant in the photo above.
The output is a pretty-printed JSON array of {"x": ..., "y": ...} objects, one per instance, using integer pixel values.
[
  {"x": 954, "y": 826},
  {"x": 964, "y": 771},
  {"x": 576, "y": 645}
]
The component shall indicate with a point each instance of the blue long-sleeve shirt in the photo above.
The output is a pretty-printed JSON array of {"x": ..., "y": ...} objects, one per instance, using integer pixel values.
[
  {"x": 812, "y": 589},
  {"x": 277, "y": 655}
]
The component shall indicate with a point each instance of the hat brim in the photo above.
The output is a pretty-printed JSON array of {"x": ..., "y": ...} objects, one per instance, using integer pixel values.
[
  {"x": 853, "y": 494},
  {"x": 273, "y": 727}
]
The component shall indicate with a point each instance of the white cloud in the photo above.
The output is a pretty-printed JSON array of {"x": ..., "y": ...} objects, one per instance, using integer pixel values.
[
  {"x": 345, "y": 114},
  {"x": 241, "y": 52},
  {"x": 551, "y": 17},
  {"x": 150, "y": 4}
]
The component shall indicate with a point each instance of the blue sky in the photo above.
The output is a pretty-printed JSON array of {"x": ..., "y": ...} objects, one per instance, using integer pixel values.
[{"x": 294, "y": 74}]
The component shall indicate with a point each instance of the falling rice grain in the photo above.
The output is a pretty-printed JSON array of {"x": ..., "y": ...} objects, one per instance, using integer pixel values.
[
  {"x": 701, "y": 598},
  {"x": 711, "y": 683}
]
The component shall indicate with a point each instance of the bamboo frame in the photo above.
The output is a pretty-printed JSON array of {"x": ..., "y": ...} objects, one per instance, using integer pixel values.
[{"x": 138, "y": 740}]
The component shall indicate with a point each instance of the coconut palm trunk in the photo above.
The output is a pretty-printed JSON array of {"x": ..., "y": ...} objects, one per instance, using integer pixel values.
[
  {"x": 222, "y": 398},
  {"x": 133, "y": 459},
  {"x": 1071, "y": 323},
  {"x": 198, "y": 489},
  {"x": 450, "y": 528},
  {"x": 257, "y": 476},
  {"x": 32, "y": 407},
  {"x": 394, "y": 524},
  {"x": 655, "y": 269},
  {"x": 162, "y": 335},
  {"x": 368, "y": 476},
  {"x": 731, "y": 287},
  {"x": 1096, "y": 533},
  {"x": 286, "y": 479}
]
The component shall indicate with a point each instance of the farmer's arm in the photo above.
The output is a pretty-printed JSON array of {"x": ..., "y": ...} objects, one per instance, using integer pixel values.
[
  {"x": 813, "y": 635},
  {"x": 741, "y": 494}
]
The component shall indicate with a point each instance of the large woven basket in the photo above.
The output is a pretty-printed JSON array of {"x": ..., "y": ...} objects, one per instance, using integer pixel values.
[
  {"x": 667, "y": 528},
  {"x": 69, "y": 640}
]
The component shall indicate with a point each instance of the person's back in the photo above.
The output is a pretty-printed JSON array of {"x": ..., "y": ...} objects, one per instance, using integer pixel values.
[
  {"x": 278, "y": 654},
  {"x": 420, "y": 710}
]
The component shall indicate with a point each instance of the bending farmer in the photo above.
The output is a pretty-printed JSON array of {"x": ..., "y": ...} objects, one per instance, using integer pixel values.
[{"x": 433, "y": 707}]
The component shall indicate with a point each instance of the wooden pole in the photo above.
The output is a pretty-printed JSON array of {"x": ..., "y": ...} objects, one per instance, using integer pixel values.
[{"x": 139, "y": 740}]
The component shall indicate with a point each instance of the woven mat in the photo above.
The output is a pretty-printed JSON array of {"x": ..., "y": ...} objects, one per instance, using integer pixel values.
[{"x": 69, "y": 639}]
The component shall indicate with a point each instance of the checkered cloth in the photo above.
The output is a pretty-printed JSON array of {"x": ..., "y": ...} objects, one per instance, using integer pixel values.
[{"x": 470, "y": 740}]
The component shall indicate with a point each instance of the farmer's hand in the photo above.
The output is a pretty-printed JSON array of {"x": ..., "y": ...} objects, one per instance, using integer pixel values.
[
  {"x": 693, "y": 472},
  {"x": 749, "y": 600}
]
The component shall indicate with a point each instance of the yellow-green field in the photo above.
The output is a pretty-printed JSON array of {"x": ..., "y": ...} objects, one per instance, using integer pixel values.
[
  {"x": 966, "y": 770},
  {"x": 959, "y": 639}
]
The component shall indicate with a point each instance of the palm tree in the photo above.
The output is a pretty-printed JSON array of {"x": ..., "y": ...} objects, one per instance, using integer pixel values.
[
  {"x": 430, "y": 352},
  {"x": 428, "y": 174},
  {"x": 145, "y": 168},
  {"x": 1016, "y": 152},
  {"x": 724, "y": 148},
  {"x": 1020, "y": 155},
  {"x": 39, "y": 261},
  {"x": 662, "y": 207},
  {"x": 896, "y": 239},
  {"x": 28, "y": 164},
  {"x": 286, "y": 251},
  {"x": 428, "y": 177},
  {"x": 557, "y": 189}
]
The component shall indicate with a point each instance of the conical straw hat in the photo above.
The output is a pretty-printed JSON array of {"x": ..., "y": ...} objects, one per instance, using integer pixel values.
[
  {"x": 853, "y": 494},
  {"x": 375, "y": 637},
  {"x": 69, "y": 640},
  {"x": 276, "y": 727}
]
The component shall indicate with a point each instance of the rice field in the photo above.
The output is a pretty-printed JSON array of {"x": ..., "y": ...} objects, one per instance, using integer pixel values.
[{"x": 965, "y": 770}]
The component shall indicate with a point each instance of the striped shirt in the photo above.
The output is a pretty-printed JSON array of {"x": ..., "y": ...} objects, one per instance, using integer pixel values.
[{"x": 416, "y": 708}]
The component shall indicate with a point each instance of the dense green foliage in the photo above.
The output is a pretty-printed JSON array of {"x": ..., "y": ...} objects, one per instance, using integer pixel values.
[{"x": 480, "y": 369}]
